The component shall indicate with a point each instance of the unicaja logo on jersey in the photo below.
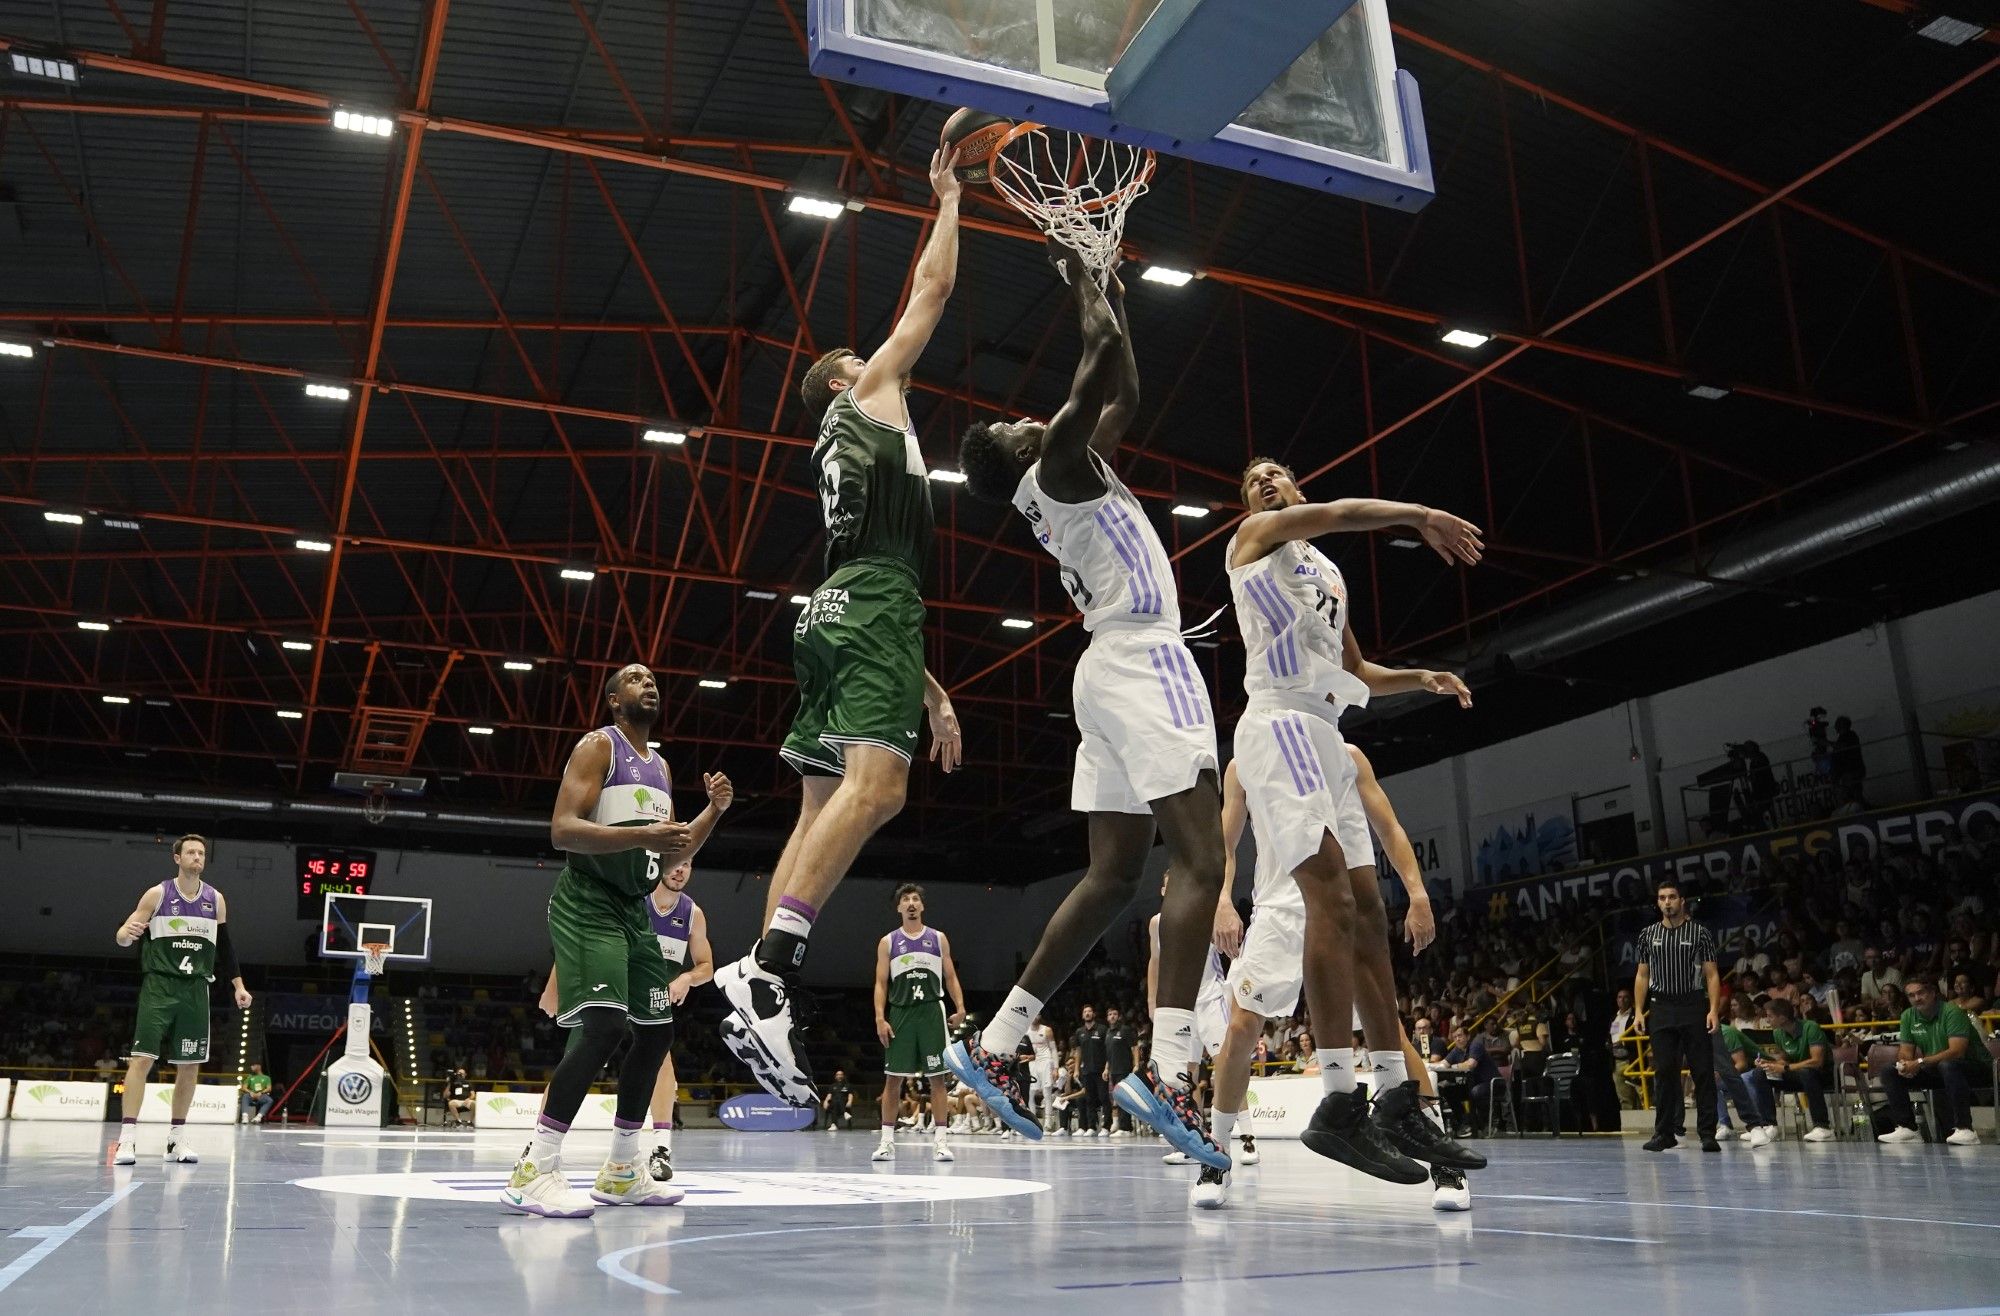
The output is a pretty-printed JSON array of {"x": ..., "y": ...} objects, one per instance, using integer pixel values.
[{"x": 177, "y": 924}]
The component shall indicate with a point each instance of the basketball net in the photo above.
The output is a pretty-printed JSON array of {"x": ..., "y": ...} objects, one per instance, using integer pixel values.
[
  {"x": 1076, "y": 189},
  {"x": 374, "y": 957},
  {"x": 375, "y": 808}
]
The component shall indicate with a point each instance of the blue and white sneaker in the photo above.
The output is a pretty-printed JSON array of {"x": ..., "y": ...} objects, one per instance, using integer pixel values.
[
  {"x": 991, "y": 1078},
  {"x": 1171, "y": 1112}
]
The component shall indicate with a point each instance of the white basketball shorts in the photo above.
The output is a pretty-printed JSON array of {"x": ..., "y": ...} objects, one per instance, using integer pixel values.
[
  {"x": 1266, "y": 977},
  {"x": 1143, "y": 714},
  {"x": 1211, "y": 1014},
  {"x": 1299, "y": 781}
]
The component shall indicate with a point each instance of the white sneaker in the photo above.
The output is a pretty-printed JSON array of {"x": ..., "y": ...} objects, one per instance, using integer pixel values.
[
  {"x": 1249, "y": 1154},
  {"x": 540, "y": 1189},
  {"x": 1963, "y": 1138},
  {"x": 1749, "y": 1135},
  {"x": 758, "y": 1030},
  {"x": 1177, "y": 1158},
  {"x": 1210, "y": 1191},
  {"x": 127, "y": 1153},
  {"x": 940, "y": 1152},
  {"x": 1058, "y": 1132},
  {"x": 1901, "y": 1133},
  {"x": 632, "y": 1185},
  {"x": 179, "y": 1153},
  {"x": 885, "y": 1150},
  {"x": 1449, "y": 1191},
  {"x": 1759, "y": 1136},
  {"x": 1819, "y": 1133}
]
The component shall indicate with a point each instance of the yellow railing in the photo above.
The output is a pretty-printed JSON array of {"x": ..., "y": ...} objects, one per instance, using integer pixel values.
[{"x": 1641, "y": 1073}]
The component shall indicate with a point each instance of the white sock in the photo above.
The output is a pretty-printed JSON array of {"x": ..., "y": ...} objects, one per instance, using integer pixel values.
[
  {"x": 1010, "y": 1023},
  {"x": 1221, "y": 1124},
  {"x": 1173, "y": 1044},
  {"x": 545, "y": 1148},
  {"x": 624, "y": 1141},
  {"x": 1391, "y": 1069},
  {"x": 1336, "y": 1069},
  {"x": 663, "y": 1136},
  {"x": 888, "y": 1133}
]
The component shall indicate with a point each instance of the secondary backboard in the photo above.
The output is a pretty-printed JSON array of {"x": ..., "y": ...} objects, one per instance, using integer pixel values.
[
  {"x": 403, "y": 923},
  {"x": 1342, "y": 118}
]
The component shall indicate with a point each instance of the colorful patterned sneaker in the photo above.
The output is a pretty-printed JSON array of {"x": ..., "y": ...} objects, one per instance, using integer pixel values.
[
  {"x": 1172, "y": 1112},
  {"x": 540, "y": 1189},
  {"x": 758, "y": 1030},
  {"x": 631, "y": 1185},
  {"x": 991, "y": 1077}
]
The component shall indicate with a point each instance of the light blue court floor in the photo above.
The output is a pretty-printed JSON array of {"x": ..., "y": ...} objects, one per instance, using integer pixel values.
[{"x": 275, "y": 1221}]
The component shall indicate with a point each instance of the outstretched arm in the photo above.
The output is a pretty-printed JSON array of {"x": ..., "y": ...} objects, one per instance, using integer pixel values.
[
  {"x": 1066, "y": 470},
  {"x": 1123, "y": 403},
  {"x": 1418, "y": 925},
  {"x": 1382, "y": 680},
  {"x": 1228, "y": 933},
  {"x": 880, "y": 388},
  {"x": 1454, "y": 538}
]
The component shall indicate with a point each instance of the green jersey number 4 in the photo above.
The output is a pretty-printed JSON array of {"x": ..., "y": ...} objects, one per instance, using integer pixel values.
[{"x": 187, "y": 964}]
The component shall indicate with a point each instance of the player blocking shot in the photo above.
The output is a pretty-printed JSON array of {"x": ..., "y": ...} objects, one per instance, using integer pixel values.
[
  {"x": 614, "y": 820},
  {"x": 913, "y": 974},
  {"x": 1147, "y": 760},
  {"x": 857, "y": 653},
  {"x": 1302, "y": 666},
  {"x": 182, "y": 928}
]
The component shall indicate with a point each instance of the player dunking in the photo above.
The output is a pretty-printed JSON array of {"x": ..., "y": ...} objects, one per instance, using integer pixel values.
[
  {"x": 1301, "y": 667},
  {"x": 1147, "y": 758},
  {"x": 183, "y": 925},
  {"x": 1268, "y": 970},
  {"x": 858, "y": 653},
  {"x": 614, "y": 819},
  {"x": 913, "y": 973}
]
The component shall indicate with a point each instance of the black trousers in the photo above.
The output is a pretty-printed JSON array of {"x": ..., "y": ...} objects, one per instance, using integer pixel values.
[
  {"x": 1951, "y": 1080},
  {"x": 1679, "y": 1034},
  {"x": 1096, "y": 1100}
]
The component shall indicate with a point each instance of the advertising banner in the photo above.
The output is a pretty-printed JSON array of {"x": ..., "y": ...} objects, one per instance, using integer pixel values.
[
  {"x": 517, "y": 1110},
  {"x": 1527, "y": 841},
  {"x": 754, "y": 1112},
  {"x": 40, "y": 1100},
  {"x": 6, "y": 1092},
  {"x": 214, "y": 1103}
]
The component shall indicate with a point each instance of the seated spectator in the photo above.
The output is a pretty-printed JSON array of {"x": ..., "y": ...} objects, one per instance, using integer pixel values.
[
  {"x": 254, "y": 1096},
  {"x": 1803, "y": 1063},
  {"x": 1846, "y": 951},
  {"x": 1878, "y": 970},
  {"x": 1812, "y": 990},
  {"x": 1733, "y": 1057},
  {"x": 457, "y": 1100},
  {"x": 1430, "y": 1047},
  {"x": 1937, "y": 1046},
  {"x": 1966, "y": 996}
]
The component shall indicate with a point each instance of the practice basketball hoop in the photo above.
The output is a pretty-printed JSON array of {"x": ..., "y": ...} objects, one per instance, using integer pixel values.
[
  {"x": 1074, "y": 188},
  {"x": 374, "y": 957}
]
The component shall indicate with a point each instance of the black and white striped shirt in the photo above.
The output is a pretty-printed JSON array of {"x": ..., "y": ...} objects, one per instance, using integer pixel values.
[{"x": 1674, "y": 957}]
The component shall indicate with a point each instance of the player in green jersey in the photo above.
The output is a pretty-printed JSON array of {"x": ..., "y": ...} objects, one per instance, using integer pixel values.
[
  {"x": 183, "y": 930},
  {"x": 913, "y": 972},
  {"x": 857, "y": 650}
]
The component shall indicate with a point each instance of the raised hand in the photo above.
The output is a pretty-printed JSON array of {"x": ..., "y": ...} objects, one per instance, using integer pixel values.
[
  {"x": 944, "y": 181},
  {"x": 1447, "y": 683},
  {"x": 1453, "y": 537},
  {"x": 721, "y": 793}
]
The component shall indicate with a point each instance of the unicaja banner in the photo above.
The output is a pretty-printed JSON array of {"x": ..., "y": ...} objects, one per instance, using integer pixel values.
[
  {"x": 1280, "y": 1106},
  {"x": 519, "y": 1110},
  {"x": 81, "y": 1102},
  {"x": 214, "y": 1103},
  {"x": 1924, "y": 827},
  {"x": 6, "y": 1092}
]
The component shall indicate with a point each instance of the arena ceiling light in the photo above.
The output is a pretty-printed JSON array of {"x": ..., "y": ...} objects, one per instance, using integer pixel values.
[
  {"x": 12, "y": 347},
  {"x": 1017, "y": 623},
  {"x": 1192, "y": 511},
  {"x": 331, "y": 392},
  {"x": 943, "y": 476},
  {"x": 93, "y": 625},
  {"x": 817, "y": 207},
  {"x": 1951, "y": 31},
  {"x": 712, "y": 683},
  {"x": 290, "y": 714},
  {"x": 121, "y": 522},
  {"x": 296, "y": 646},
  {"x": 578, "y": 571},
  {"x": 116, "y": 699},
  {"x": 672, "y": 436},
  {"x": 1707, "y": 392},
  {"x": 479, "y": 731},
  {"x": 1465, "y": 338},
  {"x": 368, "y": 125},
  {"x": 800, "y": 600},
  {"x": 518, "y": 665},
  {"x": 763, "y": 595},
  {"x": 1167, "y": 275},
  {"x": 31, "y": 64},
  {"x": 63, "y": 518},
  {"x": 313, "y": 545},
  {"x": 1405, "y": 543}
]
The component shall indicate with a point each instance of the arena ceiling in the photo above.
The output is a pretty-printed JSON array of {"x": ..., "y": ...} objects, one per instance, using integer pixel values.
[{"x": 577, "y": 232}]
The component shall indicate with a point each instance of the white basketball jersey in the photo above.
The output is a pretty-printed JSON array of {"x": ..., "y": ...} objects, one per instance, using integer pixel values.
[
  {"x": 1112, "y": 561},
  {"x": 1292, "y": 606},
  {"x": 1044, "y": 1041}
]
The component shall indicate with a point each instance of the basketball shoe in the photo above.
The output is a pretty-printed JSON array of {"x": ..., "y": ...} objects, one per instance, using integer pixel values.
[
  {"x": 631, "y": 1185},
  {"x": 1172, "y": 1112},
  {"x": 1341, "y": 1130},
  {"x": 991, "y": 1078},
  {"x": 1211, "y": 1190},
  {"x": 758, "y": 1030},
  {"x": 1400, "y": 1116},
  {"x": 661, "y": 1163},
  {"x": 179, "y": 1152},
  {"x": 538, "y": 1188},
  {"x": 1448, "y": 1190}
]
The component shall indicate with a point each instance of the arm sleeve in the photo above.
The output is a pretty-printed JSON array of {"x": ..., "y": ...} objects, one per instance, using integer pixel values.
[{"x": 225, "y": 954}]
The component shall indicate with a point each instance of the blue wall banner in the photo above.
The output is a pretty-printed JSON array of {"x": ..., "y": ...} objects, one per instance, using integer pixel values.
[{"x": 754, "y": 1112}]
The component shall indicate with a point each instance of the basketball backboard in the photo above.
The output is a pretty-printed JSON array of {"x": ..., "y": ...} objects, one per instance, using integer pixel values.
[
  {"x": 403, "y": 923},
  {"x": 1341, "y": 118}
]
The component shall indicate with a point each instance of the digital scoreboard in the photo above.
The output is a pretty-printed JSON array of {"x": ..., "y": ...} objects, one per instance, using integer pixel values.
[{"x": 320, "y": 870}]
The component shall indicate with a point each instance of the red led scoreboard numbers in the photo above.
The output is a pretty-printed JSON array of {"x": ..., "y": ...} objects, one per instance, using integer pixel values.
[{"x": 343, "y": 872}]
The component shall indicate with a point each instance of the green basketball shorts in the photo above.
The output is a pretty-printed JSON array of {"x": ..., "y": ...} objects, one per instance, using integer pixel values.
[
  {"x": 606, "y": 954},
  {"x": 917, "y": 1048},
  {"x": 858, "y": 655},
  {"x": 173, "y": 1020}
]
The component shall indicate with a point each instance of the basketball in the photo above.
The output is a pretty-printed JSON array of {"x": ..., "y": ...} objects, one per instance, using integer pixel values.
[{"x": 977, "y": 135}]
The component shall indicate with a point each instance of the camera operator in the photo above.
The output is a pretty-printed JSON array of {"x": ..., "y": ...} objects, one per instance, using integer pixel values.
[{"x": 457, "y": 1100}]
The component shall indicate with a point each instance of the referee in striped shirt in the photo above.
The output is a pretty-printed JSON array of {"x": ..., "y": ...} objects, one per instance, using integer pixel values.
[{"x": 1679, "y": 997}]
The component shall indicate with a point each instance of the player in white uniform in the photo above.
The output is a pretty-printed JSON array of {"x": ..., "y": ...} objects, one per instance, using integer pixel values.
[
  {"x": 1301, "y": 667},
  {"x": 1047, "y": 1064},
  {"x": 1147, "y": 758}
]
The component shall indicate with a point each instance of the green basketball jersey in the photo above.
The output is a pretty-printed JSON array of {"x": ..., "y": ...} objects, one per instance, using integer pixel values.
[
  {"x": 916, "y": 969},
  {"x": 637, "y": 790},
  {"x": 180, "y": 940},
  {"x": 875, "y": 494}
]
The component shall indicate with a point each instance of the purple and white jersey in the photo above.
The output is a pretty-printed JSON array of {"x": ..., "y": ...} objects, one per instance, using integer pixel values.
[
  {"x": 916, "y": 968},
  {"x": 674, "y": 928},
  {"x": 1292, "y": 606},
  {"x": 638, "y": 789},
  {"x": 1112, "y": 562}
]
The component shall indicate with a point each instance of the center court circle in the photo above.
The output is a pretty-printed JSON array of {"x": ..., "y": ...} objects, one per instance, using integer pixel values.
[{"x": 702, "y": 1189}]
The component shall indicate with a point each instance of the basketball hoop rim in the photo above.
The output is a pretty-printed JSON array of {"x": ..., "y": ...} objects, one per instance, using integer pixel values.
[
  {"x": 374, "y": 957},
  {"x": 1141, "y": 178}
]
